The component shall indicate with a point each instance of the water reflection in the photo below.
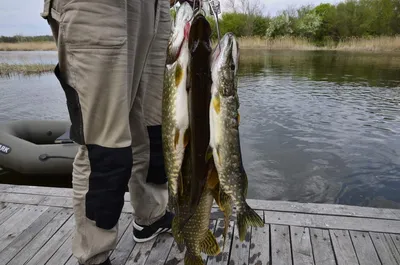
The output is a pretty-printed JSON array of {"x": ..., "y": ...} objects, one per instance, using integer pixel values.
[
  {"x": 321, "y": 126},
  {"x": 315, "y": 126}
]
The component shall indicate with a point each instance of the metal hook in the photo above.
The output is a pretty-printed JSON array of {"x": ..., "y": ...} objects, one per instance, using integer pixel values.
[{"x": 215, "y": 9}]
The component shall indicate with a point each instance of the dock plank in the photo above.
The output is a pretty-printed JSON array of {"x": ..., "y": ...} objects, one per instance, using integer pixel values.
[
  {"x": 343, "y": 247},
  {"x": 294, "y": 233},
  {"x": 278, "y": 206},
  {"x": 62, "y": 255},
  {"x": 301, "y": 246},
  {"x": 54, "y": 243},
  {"x": 280, "y": 245},
  {"x": 259, "y": 246},
  {"x": 124, "y": 221},
  {"x": 8, "y": 211},
  {"x": 14, "y": 225},
  {"x": 140, "y": 253},
  {"x": 161, "y": 248},
  {"x": 325, "y": 209},
  {"x": 364, "y": 247},
  {"x": 27, "y": 235},
  {"x": 396, "y": 241},
  {"x": 332, "y": 222},
  {"x": 41, "y": 238},
  {"x": 322, "y": 247},
  {"x": 385, "y": 248},
  {"x": 223, "y": 257},
  {"x": 240, "y": 251},
  {"x": 125, "y": 245}
]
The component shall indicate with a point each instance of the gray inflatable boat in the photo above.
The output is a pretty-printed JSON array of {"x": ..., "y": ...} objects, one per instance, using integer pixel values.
[{"x": 37, "y": 147}]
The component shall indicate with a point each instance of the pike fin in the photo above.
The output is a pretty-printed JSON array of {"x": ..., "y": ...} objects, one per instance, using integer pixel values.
[
  {"x": 209, "y": 245},
  {"x": 247, "y": 218},
  {"x": 186, "y": 137},
  {"x": 191, "y": 259},
  {"x": 209, "y": 153},
  {"x": 176, "y": 234},
  {"x": 212, "y": 179},
  {"x": 238, "y": 118},
  {"x": 227, "y": 210},
  {"x": 217, "y": 103},
  {"x": 180, "y": 183},
  {"x": 176, "y": 139}
]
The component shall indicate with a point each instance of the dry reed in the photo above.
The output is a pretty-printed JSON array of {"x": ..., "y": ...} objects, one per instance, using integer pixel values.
[
  {"x": 376, "y": 44},
  {"x": 28, "y": 46},
  {"x": 24, "y": 69}
]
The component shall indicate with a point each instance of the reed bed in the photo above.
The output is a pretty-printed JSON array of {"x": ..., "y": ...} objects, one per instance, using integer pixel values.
[
  {"x": 28, "y": 46},
  {"x": 373, "y": 44},
  {"x": 282, "y": 43},
  {"x": 376, "y": 44},
  {"x": 24, "y": 69}
]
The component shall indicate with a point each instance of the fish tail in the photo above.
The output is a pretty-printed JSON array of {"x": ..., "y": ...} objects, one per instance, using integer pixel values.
[
  {"x": 247, "y": 217},
  {"x": 210, "y": 245},
  {"x": 191, "y": 259}
]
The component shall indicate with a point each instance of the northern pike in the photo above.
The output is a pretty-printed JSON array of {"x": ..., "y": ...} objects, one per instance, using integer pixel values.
[
  {"x": 224, "y": 145},
  {"x": 175, "y": 116},
  {"x": 183, "y": 16},
  {"x": 199, "y": 102},
  {"x": 192, "y": 229}
]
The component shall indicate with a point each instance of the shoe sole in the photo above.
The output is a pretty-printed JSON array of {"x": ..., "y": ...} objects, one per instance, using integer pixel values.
[{"x": 141, "y": 240}]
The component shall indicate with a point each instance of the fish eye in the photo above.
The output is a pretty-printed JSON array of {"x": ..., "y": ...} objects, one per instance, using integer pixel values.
[{"x": 232, "y": 67}]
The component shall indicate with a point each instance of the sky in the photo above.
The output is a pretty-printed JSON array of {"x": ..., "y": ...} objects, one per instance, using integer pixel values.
[{"x": 23, "y": 16}]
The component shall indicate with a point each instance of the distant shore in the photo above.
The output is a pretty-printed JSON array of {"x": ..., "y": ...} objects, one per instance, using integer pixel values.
[{"x": 375, "y": 44}]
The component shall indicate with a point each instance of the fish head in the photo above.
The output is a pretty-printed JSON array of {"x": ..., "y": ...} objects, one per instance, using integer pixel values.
[
  {"x": 225, "y": 59},
  {"x": 180, "y": 31},
  {"x": 200, "y": 33}
]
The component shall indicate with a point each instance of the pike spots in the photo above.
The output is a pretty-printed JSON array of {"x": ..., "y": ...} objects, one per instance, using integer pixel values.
[{"x": 178, "y": 75}]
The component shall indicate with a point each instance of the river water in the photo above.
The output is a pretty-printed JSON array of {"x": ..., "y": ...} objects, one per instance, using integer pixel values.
[{"x": 315, "y": 126}]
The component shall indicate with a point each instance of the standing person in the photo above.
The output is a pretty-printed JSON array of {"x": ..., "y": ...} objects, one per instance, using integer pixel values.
[{"x": 111, "y": 57}]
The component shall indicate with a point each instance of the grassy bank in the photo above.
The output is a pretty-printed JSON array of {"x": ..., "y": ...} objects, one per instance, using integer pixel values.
[
  {"x": 24, "y": 69},
  {"x": 28, "y": 46},
  {"x": 376, "y": 44}
]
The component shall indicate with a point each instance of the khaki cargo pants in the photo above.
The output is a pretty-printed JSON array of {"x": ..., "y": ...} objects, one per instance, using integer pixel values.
[{"x": 111, "y": 63}]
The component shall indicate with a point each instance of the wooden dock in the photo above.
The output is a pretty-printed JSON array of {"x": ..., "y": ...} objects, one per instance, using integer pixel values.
[{"x": 36, "y": 227}]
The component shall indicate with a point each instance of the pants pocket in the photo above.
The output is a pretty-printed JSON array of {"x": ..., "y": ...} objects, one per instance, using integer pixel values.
[
  {"x": 74, "y": 109},
  {"x": 156, "y": 173}
]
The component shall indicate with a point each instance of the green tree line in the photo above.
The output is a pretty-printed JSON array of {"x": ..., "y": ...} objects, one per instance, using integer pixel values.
[{"x": 320, "y": 24}]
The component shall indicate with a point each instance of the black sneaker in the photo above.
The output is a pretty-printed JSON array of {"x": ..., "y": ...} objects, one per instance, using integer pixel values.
[
  {"x": 142, "y": 233},
  {"x": 107, "y": 262}
]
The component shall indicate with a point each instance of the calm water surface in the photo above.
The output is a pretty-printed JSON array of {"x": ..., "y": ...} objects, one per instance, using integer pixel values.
[{"x": 315, "y": 126}]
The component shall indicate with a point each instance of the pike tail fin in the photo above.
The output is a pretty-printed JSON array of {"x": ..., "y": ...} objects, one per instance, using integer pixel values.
[
  {"x": 247, "y": 217},
  {"x": 209, "y": 245},
  {"x": 191, "y": 259}
]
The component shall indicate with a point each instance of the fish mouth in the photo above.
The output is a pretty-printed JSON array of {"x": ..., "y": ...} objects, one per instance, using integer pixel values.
[{"x": 185, "y": 38}]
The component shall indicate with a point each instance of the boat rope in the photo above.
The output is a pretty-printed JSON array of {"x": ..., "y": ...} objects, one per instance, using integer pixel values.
[{"x": 44, "y": 157}]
